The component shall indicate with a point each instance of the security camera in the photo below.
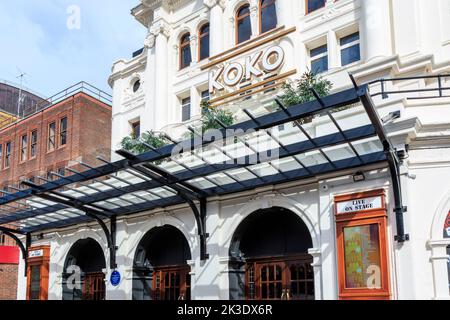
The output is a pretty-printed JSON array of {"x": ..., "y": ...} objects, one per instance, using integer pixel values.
[{"x": 391, "y": 117}]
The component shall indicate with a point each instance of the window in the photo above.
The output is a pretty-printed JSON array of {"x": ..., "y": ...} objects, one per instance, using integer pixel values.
[
  {"x": 7, "y": 155},
  {"x": 313, "y": 5},
  {"x": 51, "y": 136},
  {"x": 204, "y": 42},
  {"x": 136, "y": 85},
  {"x": 350, "y": 51},
  {"x": 35, "y": 282},
  {"x": 23, "y": 147},
  {"x": 63, "y": 131},
  {"x": 136, "y": 129},
  {"x": 1, "y": 155},
  {"x": 205, "y": 96},
  {"x": 268, "y": 15},
  {"x": 2, "y": 239},
  {"x": 319, "y": 59},
  {"x": 243, "y": 24},
  {"x": 186, "y": 109},
  {"x": 33, "y": 144},
  {"x": 185, "y": 51}
]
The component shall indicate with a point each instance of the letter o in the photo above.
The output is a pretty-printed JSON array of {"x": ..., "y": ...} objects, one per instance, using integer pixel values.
[
  {"x": 226, "y": 74},
  {"x": 280, "y": 58}
]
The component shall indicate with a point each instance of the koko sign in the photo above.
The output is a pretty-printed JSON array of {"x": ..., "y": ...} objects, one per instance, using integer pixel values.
[{"x": 255, "y": 66}]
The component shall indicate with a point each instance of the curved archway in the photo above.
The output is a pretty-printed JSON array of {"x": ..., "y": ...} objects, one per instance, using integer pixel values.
[
  {"x": 83, "y": 277},
  {"x": 160, "y": 269},
  {"x": 269, "y": 257}
]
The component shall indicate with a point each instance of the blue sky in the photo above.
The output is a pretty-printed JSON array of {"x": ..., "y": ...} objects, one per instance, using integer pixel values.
[{"x": 35, "y": 37}]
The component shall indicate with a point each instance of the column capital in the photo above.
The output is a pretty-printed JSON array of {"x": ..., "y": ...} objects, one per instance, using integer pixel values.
[
  {"x": 212, "y": 3},
  {"x": 160, "y": 28}
]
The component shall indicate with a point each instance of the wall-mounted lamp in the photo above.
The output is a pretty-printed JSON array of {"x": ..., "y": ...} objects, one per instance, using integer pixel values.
[{"x": 359, "y": 176}]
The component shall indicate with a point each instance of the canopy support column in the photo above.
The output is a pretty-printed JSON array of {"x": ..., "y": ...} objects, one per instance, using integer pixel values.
[{"x": 393, "y": 160}]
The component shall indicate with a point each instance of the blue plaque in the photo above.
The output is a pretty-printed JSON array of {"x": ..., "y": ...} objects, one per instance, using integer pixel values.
[{"x": 115, "y": 278}]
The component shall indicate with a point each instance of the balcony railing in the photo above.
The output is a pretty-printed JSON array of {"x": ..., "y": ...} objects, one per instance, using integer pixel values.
[
  {"x": 62, "y": 95},
  {"x": 436, "y": 90}
]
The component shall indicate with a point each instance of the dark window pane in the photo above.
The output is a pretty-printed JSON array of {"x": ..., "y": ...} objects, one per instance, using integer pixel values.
[
  {"x": 244, "y": 28},
  {"x": 35, "y": 282},
  {"x": 136, "y": 85},
  {"x": 204, "y": 47},
  {"x": 268, "y": 16},
  {"x": 185, "y": 51},
  {"x": 186, "y": 57},
  {"x": 186, "y": 109},
  {"x": 349, "y": 39},
  {"x": 315, "y": 4},
  {"x": 319, "y": 50},
  {"x": 319, "y": 65},
  {"x": 33, "y": 144},
  {"x": 63, "y": 131},
  {"x": 350, "y": 55},
  {"x": 244, "y": 11}
]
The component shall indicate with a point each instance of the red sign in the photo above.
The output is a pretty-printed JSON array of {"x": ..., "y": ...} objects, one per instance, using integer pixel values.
[
  {"x": 9, "y": 255},
  {"x": 447, "y": 227}
]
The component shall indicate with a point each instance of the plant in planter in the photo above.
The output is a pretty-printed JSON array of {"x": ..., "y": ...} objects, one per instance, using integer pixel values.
[
  {"x": 138, "y": 145},
  {"x": 209, "y": 117},
  {"x": 300, "y": 92}
]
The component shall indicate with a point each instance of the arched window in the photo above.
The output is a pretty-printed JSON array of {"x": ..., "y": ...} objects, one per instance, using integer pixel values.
[
  {"x": 268, "y": 15},
  {"x": 204, "y": 42},
  {"x": 185, "y": 51},
  {"x": 243, "y": 24}
]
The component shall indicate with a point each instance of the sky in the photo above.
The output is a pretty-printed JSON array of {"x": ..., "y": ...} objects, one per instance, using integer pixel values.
[{"x": 58, "y": 43}]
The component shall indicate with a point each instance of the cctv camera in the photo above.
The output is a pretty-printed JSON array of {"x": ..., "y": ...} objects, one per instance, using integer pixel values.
[{"x": 391, "y": 117}]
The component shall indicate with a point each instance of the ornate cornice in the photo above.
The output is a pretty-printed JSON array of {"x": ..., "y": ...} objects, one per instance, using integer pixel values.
[{"x": 211, "y": 3}]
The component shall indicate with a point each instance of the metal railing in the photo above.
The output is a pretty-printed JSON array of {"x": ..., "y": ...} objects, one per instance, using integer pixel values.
[
  {"x": 440, "y": 90},
  {"x": 80, "y": 87}
]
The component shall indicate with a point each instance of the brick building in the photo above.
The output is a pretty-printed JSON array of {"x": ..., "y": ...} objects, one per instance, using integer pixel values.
[{"x": 74, "y": 127}]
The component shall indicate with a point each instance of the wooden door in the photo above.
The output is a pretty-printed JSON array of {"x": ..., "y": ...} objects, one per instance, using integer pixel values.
[
  {"x": 280, "y": 279},
  {"x": 171, "y": 283},
  {"x": 94, "y": 286}
]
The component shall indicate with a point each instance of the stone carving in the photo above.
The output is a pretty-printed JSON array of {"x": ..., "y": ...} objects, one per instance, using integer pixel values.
[{"x": 149, "y": 42}]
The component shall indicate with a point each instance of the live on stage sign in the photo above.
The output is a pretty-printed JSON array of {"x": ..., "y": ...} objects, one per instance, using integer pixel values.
[{"x": 357, "y": 205}]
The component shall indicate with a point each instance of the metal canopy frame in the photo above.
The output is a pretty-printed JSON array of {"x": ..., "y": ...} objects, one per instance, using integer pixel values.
[{"x": 158, "y": 179}]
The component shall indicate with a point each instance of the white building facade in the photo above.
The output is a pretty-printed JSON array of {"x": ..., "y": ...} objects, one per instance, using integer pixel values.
[{"x": 284, "y": 240}]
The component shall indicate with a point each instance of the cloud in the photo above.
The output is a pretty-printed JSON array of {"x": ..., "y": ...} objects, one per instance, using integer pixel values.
[{"x": 35, "y": 38}]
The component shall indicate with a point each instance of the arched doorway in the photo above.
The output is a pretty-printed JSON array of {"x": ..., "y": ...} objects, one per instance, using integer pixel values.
[
  {"x": 86, "y": 257},
  {"x": 160, "y": 269},
  {"x": 269, "y": 258}
]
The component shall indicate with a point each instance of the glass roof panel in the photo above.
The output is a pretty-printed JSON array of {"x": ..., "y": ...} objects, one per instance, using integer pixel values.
[
  {"x": 339, "y": 152},
  {"x": 368, "y": 146},
  {"x": 286, "y": 164},
  {"x": 311, "y": 158}
]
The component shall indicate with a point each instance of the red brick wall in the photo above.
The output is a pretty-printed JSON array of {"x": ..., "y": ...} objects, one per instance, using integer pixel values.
[
  {"x": 89, "y": 135},
  {"x": 8, "y": 281}
]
